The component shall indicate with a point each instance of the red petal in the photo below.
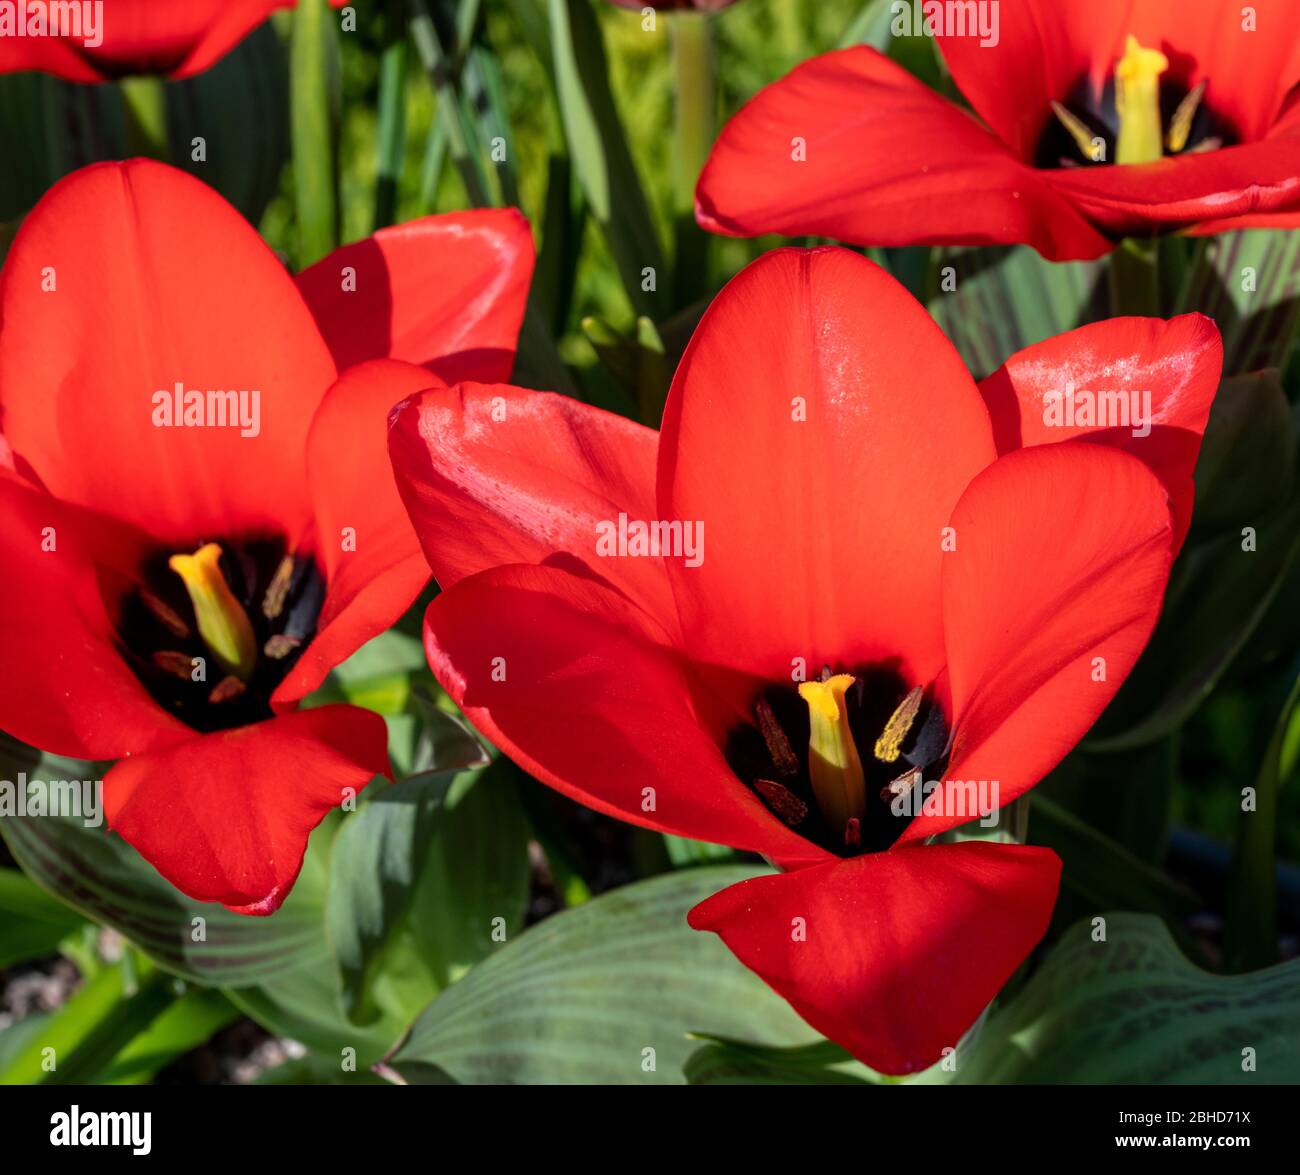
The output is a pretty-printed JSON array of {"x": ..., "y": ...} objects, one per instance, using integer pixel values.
[
  {"x": 374, "y": 567},
  {"x": 159, "y": 281},
  {"x": 1185, "y": 189},
  {"x": 447, "y": 292},
  {"x": 65, "y": 687},
  {"x": 558, "y": 672},
  {"x": 494, "y": 475},
  {"x": 895, "y": 954},
  {"x": 889, "y": 162},
  {"x": 225, "y": 817},
  {"x": 143, "y": 37},
  {"x": 1062, "y": 556},
  {"x": 1043, "y": 50},
  {"x": 1174, "y": 364},
  {"x": 52, "y": 55},
  {"x": 821, "y": 535}
]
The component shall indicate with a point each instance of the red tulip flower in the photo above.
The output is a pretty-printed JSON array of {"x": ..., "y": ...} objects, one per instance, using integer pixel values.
[
  {"x": 868, "y": 575},
  {"x": 1092, "y": 122},
  {"x": 177, "y": 38},
  {"x": 198, "y": 519}
]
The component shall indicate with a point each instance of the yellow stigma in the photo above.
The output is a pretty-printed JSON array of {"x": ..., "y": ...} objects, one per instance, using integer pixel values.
[
  {"x": 223, "y": 623},
  {"x": 1137, "y": 102},
  {"x": 833, "y": 762}
]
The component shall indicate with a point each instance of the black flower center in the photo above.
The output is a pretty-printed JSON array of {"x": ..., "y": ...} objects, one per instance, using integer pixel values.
[
  {"x": 1141, "y": 115},
  {"x": 898, "y": 738},
  {"x": 167, "y": 640}
]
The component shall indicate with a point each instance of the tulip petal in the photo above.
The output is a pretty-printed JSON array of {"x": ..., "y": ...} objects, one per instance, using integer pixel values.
[
  {"x": 1169, "y": 369},
  {"x": 894, "y": 955},
  {"x": 1062, "y": 556},
  {"x": 559, "y": 672},
  {"x": 446, "y": 292},
  {"x": 496, "y": 474},
  {"x": 65, "y": 687},
  {"x": 142, "y": 37},
  {"x": 374, "y": 568},
  {"x": 1234, "y": 182},
  {"x": 821, "y": 428},
  {"x": 886, "y": 161},
  {"x": 126, "y": 279},
  {"x": 225, "y": 817}
]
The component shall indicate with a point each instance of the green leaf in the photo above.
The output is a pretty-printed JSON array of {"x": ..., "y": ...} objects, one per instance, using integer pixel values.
[
  {"x": 77, "y": 1043},
  {"x": 1006, "y": 298},
  {"x": 638, "y": 363},
  {"x": 182, "y": 1027},
  {"x": 314, "y": 122},
  {"x": 240, "y": 109},
  {"x": 314, "y": 1069},
  {"x": 1220, "y": 590},
  {"x": 1133, "y": 1010},
  {"x": 305, "y": 1004},
  {"x": 683, "y": 852},
  {"x": 1249, "y": 283},
  {"x": 100, "y": 875},
  {"x": 48, "y": 128},
  {"x": 599, "y": 150},
  {"x": 32, "y": 923},
  {"x": 870, "y": 27},
  {"x": 1102, "y": 872},
  {"x": 732, "y": 1062},
  {"x": 392, "y": 129},
  {"x": 582, "y": 996},
  {"x": 1251, "y": 934},
  {"x": 1250, "y": 415},
  {"x": 419, "y": 875}
]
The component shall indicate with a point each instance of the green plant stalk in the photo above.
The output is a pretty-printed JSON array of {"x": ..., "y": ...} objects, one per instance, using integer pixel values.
[
  {"x": 535, "y": 335},
  {"x": 460, "y": 137},
  {"x": 1135, "y": 279},
  {"x": 1251, "y": 933},
  {"x": 144, "y": 107},
  {"x": 695, "y": 113},
  {"x": 314, "y": 130},
  {"x": 392, "y": 130}
]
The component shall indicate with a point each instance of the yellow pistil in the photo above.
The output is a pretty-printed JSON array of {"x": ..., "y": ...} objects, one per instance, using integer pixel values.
[
  {"x": 223, "y": 623},
  {"x": 1137, "y": 102},
  {"x": 833, "y": 762}
]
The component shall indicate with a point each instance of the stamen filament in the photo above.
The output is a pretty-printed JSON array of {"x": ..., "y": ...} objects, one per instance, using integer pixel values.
[{"x": 1180, "y": 126}]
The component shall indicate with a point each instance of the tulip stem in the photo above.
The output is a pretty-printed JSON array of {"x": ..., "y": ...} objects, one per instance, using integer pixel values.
[
  {"x": 696, "y": 120},
  {"x": 144, "y": 104},
  {"x": 392, "y": 129},
  {"x": 1135, "y": 278},
  {"x": 314, "y": 124}
]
